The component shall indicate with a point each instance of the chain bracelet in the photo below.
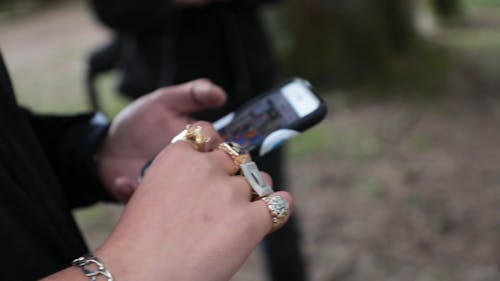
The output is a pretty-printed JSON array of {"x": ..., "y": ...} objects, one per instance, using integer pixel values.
[{"x": 84, "y": 262}]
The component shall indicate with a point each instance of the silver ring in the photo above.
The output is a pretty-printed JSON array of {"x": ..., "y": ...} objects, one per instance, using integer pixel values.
[
  {"x": 278, "y": 207},
  {"x": 255, "y": 179}
]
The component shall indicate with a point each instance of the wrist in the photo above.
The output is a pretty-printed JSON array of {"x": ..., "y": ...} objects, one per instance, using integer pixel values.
[{"x": 125, "y": 261}]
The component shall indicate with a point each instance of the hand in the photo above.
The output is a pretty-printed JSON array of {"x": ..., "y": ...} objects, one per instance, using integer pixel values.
[
  {"x": 191, "y": 219},
  {"x": 145, "y": 127}
]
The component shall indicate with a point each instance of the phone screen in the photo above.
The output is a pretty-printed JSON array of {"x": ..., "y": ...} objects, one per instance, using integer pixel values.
[{"x": 250, "y": 125}]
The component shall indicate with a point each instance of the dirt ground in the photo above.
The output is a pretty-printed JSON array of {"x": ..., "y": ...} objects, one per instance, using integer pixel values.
[{"x": 401, "y": 188}]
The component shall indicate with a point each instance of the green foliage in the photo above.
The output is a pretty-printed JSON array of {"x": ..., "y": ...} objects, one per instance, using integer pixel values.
[{"x": 484, "y": 3}]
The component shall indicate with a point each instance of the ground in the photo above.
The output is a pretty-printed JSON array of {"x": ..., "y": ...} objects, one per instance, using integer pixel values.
[{"x": 401, "y": 188}]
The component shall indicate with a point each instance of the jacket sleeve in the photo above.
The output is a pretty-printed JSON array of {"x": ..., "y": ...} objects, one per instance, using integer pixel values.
[{"x": 69, "y": 143}]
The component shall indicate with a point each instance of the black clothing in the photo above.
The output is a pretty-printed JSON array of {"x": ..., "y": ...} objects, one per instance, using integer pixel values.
[
  {"x": 162, "y": 45},
  {"x": 46, "y": 169}
]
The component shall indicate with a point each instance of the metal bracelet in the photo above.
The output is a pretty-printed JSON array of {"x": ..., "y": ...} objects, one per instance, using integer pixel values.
[{"x": 84, "y": 262}]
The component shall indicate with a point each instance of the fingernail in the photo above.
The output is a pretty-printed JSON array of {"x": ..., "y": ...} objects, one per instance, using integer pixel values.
[{"x": 202, "y": 87}]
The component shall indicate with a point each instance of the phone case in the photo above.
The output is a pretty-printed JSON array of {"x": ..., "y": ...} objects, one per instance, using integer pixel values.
[{"x": 280, "y": 136}]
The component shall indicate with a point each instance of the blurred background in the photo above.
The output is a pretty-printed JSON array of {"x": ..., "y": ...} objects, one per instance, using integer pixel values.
[{"x": 402, "y": 179}]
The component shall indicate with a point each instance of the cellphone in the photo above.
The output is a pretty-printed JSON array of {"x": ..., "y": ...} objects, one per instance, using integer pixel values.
[
  {"x": 274, "y": 117},
  {"x": 271, "y": 119}
]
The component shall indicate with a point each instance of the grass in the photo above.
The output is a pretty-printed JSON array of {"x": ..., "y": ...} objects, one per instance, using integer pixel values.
[
  {"x": 421, "y": 143},
  {"x": 482, "y": 3},
  {"x": 314, "y": 141},
  {"x": 327, "y": 141},
  {"x": 475, "y": 41},
  {"x": 371, "y": 189},
  {"x": 110, "y": 100}
]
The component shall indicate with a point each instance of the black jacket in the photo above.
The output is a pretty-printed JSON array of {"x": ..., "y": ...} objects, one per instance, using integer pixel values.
[
  {"x": 163, "y": 45},
  {"x": 46, "y": 169}
]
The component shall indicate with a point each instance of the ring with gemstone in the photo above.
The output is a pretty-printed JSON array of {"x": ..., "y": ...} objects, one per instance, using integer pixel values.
[
  {"x": 237, "y": 153},
  {"x": 194, "y": 135},
  {"x": 278, "y": 207}
]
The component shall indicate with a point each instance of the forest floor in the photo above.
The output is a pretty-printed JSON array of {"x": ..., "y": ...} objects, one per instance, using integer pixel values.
[{"x": 405, "y": 187}]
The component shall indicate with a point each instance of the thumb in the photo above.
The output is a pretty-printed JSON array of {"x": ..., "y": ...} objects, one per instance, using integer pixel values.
[{"x": 192, "y": 96}]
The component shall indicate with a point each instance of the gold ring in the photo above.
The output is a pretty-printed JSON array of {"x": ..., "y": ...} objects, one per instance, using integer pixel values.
[
  {"x": 278, "y": 207},
  {"x": 237, "y": 153},
  {"x": 194, "y": 135}
]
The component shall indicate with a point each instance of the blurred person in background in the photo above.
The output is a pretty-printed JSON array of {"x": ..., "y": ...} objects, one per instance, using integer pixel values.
[{"x": 158, "y": 43}]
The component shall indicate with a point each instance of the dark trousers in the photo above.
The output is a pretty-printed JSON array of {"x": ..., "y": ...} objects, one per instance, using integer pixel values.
[{"x": 285, "y": 261}]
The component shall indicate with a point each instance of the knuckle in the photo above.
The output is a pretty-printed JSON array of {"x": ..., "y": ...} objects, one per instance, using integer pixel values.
[{"x": 203, "y": 124}]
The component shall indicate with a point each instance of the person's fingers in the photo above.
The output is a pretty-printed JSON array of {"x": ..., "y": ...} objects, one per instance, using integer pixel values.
[
  {"x": 201, "y": 135},
  {"x": 192, "y": 96},
  {"x": 272, "y": 215},
  {"x": 267, "y": 178},
  {"x": 240, "y": 188},
  {"x": 124, "y": 187},
  {"x": 225, "y": 161},
  {"x": 209, "y": 131},
  {"x": 244, "y": 188},
  {"x": 230, "y": 157}
]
